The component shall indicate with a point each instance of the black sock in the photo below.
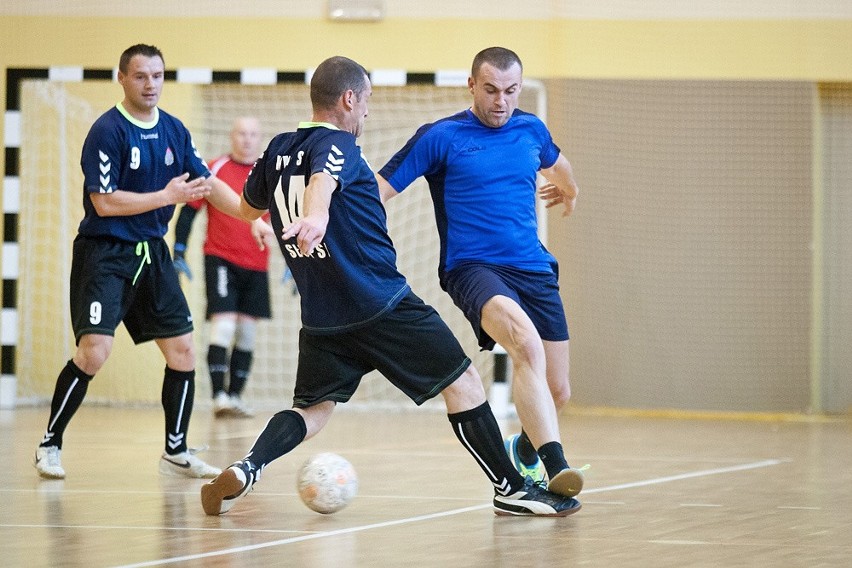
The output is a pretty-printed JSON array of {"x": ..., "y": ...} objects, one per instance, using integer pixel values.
[
  {"x": 217, "y": 366},
  {"x": 240, "y": 367},
  {"x": 177, "y": 397},
  {"x": 68, "y": 395},
  {"x": 526, "y": 450},
  {"x": 284, "y": 431},
  {"x": 553, "y": 458},
  {"x": 479, "y": 433}
]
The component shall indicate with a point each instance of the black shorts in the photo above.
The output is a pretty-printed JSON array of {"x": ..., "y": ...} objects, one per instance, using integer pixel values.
[
  {"x": 232, "y": 288},
  {"x": 114, "y": 281},
  {"x": 471, "y": 285},
  {"x": 411, "y": 346}
]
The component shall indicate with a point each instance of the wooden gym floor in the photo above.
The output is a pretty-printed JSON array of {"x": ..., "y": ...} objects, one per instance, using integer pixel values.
[{"x": 660, "y": 492}]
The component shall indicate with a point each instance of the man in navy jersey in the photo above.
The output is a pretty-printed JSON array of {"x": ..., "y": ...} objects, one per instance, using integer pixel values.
[
  {"x": 236, "y": 276},
  {"x": 358, "y": 312},
  {"x": 481, "y": 166},
  {"x": 138, "y": 162}
]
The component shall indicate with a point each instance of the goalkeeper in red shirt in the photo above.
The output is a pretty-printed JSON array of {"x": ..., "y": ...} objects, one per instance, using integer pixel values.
[{"x": 236, "y": 276}]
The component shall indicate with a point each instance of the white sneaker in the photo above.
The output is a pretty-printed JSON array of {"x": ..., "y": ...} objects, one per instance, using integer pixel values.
[
  {"x": 187, "y": 465},
  {"x": 48, "y": 464},
  {"x": 222, "y": 405},
  {"x": 239, "y": 408},
  {"x": 219, "y": 495}
]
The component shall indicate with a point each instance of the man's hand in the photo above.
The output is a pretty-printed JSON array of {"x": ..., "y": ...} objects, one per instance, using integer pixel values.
[
  {"x": 262, "y": 233},
  {"x": 179, "y": 190},
  {"x": 553, "y": 195},
  {"x": 309, "y": 232}
]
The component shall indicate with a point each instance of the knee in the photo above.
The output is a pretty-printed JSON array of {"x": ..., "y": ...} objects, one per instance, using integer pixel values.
[
  {"x": 527, "y": 350},
  {"x": 561, "y": 393},
  {"x": 469, "y": 382},
  {"x": 180, "y": 354},
  {"x": 316, "y": 417},
  {"x": 92, "y": 353},
  {"x": 246, "y": 331},
  {"x": 222, "y": 330},
  {"x": 465, "y": 392}
]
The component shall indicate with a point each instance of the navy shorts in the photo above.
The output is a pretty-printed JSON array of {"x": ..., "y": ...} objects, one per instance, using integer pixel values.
[
  {"x": 232, "y": 288},
  {"x": 411, "y": 346},
  {"x": 114, "y": 281},
  {"x": 471, "y": 285}
]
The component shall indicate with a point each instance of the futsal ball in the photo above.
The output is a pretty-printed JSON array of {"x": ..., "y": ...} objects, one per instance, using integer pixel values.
[{"x": 327, "y": 482}]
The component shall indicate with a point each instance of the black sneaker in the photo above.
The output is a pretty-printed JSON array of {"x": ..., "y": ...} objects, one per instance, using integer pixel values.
[
  {"x": 535, "y": 500},
  {"x": 219, "y": 495}
]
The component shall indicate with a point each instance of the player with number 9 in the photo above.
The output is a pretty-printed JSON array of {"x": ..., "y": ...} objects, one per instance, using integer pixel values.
[{"x": 138, "y": 161}]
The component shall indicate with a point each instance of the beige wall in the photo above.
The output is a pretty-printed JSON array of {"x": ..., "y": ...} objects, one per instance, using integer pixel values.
[
  {"x": 686, "y": 267},
  {"x": 610, "y": 40},
  {"x": 551, "y": 46},
  {"x": 801, "y": 49}
]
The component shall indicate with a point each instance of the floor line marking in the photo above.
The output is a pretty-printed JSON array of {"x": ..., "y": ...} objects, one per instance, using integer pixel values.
[
  {"x": 351, "y": 530},
  {"x": 701, "y": 473}
]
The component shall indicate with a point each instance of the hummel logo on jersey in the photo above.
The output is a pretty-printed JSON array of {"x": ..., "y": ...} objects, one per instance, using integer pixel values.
[
  {"x": 105, "y": 167},
  {"x": 334, "y": 162},
  {"x": 154, "y": 136},
  {"x": 195, "y": 150}
]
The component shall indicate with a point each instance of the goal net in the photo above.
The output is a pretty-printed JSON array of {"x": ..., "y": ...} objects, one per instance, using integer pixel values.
[{"x": 55, "y": 120}]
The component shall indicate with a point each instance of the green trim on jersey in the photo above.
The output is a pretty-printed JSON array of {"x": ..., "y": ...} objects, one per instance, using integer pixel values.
[
  {"x": 311, "y": 124},
  {"x": 136, "y": 121}
]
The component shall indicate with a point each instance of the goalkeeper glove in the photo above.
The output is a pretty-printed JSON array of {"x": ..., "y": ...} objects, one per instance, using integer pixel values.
[
  {"x": 181, "y": 267},
  {"x": 288, "y": 277}
]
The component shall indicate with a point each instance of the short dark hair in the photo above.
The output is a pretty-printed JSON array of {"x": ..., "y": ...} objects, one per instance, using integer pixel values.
[
  {"x": 499, "y": 57},
  {"x": 335, "y": 76},
  {"x": 138, "y": 49}
]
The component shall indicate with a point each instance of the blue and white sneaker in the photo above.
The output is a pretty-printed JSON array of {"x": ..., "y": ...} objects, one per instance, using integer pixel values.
[
  {"x": 534, "y": 500},
  {"x": 219, "y": 495},
  {"x": 535, "y": 471}
]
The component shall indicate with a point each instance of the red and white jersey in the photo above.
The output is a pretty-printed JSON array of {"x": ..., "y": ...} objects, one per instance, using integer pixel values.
[{"x": 227, "y": 237}]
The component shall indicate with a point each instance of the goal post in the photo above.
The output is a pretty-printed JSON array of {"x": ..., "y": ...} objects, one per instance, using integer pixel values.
[{"x": 55, "y": 117}]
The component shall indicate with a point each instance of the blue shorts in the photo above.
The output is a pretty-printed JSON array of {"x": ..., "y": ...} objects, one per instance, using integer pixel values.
[{"x": 471, "y": 285}]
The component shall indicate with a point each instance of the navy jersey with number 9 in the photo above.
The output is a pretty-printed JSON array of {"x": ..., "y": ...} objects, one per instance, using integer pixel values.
[{"x": 121, "y": 152}]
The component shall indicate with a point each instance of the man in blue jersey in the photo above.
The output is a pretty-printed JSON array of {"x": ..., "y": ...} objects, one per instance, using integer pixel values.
[
  {"x": 358, "y": 312},
  {"x": 138, "y": 162},
  {"x": 481, "y": 166}
]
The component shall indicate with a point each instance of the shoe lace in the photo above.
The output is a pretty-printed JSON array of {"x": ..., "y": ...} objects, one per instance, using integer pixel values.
[{"x": 540, "y": 483}]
